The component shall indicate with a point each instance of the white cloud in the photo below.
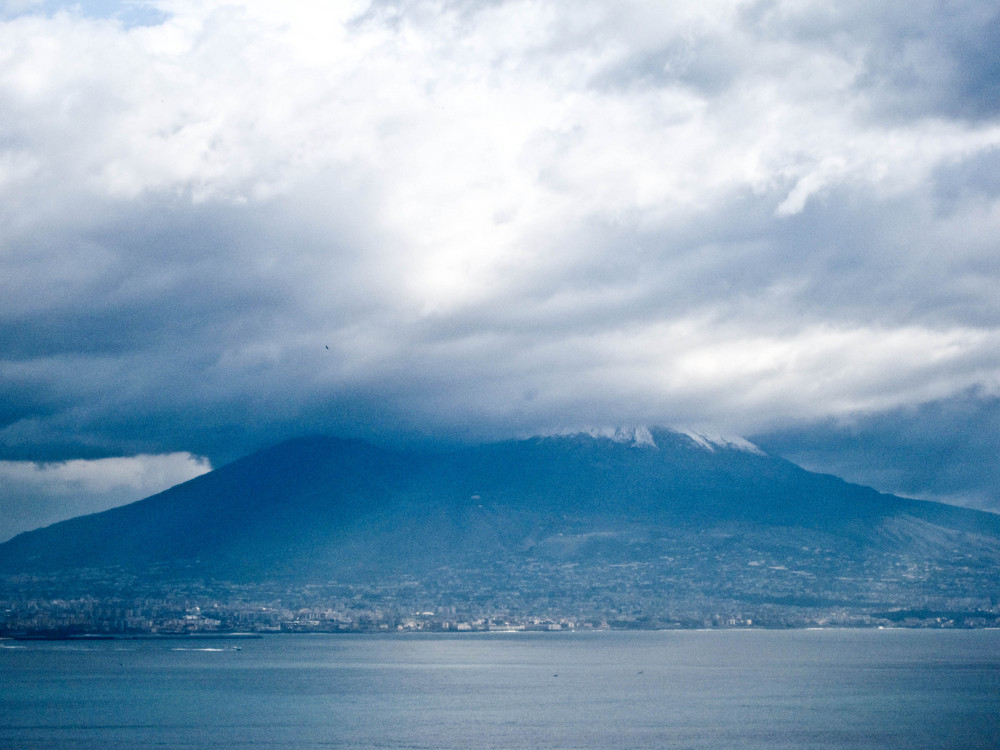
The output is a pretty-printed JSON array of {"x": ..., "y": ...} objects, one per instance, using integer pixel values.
[{"x": 37, "y": 494}]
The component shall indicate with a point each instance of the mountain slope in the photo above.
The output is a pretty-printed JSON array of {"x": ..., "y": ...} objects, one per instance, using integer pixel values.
[{"x": 320, "y": 508}]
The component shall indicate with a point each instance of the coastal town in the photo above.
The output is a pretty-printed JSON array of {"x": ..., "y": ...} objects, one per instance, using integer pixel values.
[{"x": 711, "y": 586}]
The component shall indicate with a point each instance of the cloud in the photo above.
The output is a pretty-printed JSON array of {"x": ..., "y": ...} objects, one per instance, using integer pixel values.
[
  {"x": 37, "y": 494},
  {"x": 943, "y": 450},
  {"x": 228, "y": 223}
]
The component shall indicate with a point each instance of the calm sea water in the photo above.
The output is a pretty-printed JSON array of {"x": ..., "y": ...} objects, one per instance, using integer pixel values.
[{"x": 735, "y": 688}]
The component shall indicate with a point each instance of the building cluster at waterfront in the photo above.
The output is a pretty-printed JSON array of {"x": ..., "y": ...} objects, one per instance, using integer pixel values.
[{"x": 714, "y": 585}]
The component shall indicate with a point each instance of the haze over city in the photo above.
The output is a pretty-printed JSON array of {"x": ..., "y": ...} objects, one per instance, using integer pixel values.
[{"x": 228, "y": 224}]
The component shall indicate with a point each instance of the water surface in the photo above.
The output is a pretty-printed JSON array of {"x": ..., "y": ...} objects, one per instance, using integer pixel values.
[{"x": 753, "y": 689}]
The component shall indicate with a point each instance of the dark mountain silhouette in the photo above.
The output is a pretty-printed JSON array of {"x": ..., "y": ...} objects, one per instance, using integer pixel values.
[{"x": 689, "y": 516}]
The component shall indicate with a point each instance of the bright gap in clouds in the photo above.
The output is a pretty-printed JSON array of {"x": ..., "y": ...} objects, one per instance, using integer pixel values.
[{"x": 38, "y": 494}]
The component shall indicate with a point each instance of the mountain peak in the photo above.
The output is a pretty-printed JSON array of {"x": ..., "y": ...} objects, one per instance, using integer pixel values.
[
  {"x": 639, "y": 436},
  {"x": 703, "y": 523},
  {"x": 711, "y": 440},
  {"x": 634, "y": 435}
]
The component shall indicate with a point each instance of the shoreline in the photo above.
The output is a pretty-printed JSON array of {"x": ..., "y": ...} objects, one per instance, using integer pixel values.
[{"x": 83, "y": 637}]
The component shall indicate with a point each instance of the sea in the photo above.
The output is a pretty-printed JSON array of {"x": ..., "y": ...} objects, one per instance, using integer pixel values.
[{"x": 753, "y": 689}]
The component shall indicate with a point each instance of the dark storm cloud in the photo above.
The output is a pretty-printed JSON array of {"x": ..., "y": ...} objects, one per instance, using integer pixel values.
[
  {"x": 457, "y": 221},
  {"x": 944, "y": 450},
  {"x": 187, "y": 318},
  {"x": 941, "y": 60},
  {"x": 915, "y": 59}
]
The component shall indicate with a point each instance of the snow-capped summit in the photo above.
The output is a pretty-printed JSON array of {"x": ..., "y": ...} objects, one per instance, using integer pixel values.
[
  {"x": 640, "y": 436},
  {"x": 710, "y": 440},
  {"x": 636, "y": 436}
]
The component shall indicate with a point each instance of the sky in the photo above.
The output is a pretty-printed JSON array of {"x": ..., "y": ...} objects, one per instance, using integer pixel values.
[{"x": 223, "y": 224}]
